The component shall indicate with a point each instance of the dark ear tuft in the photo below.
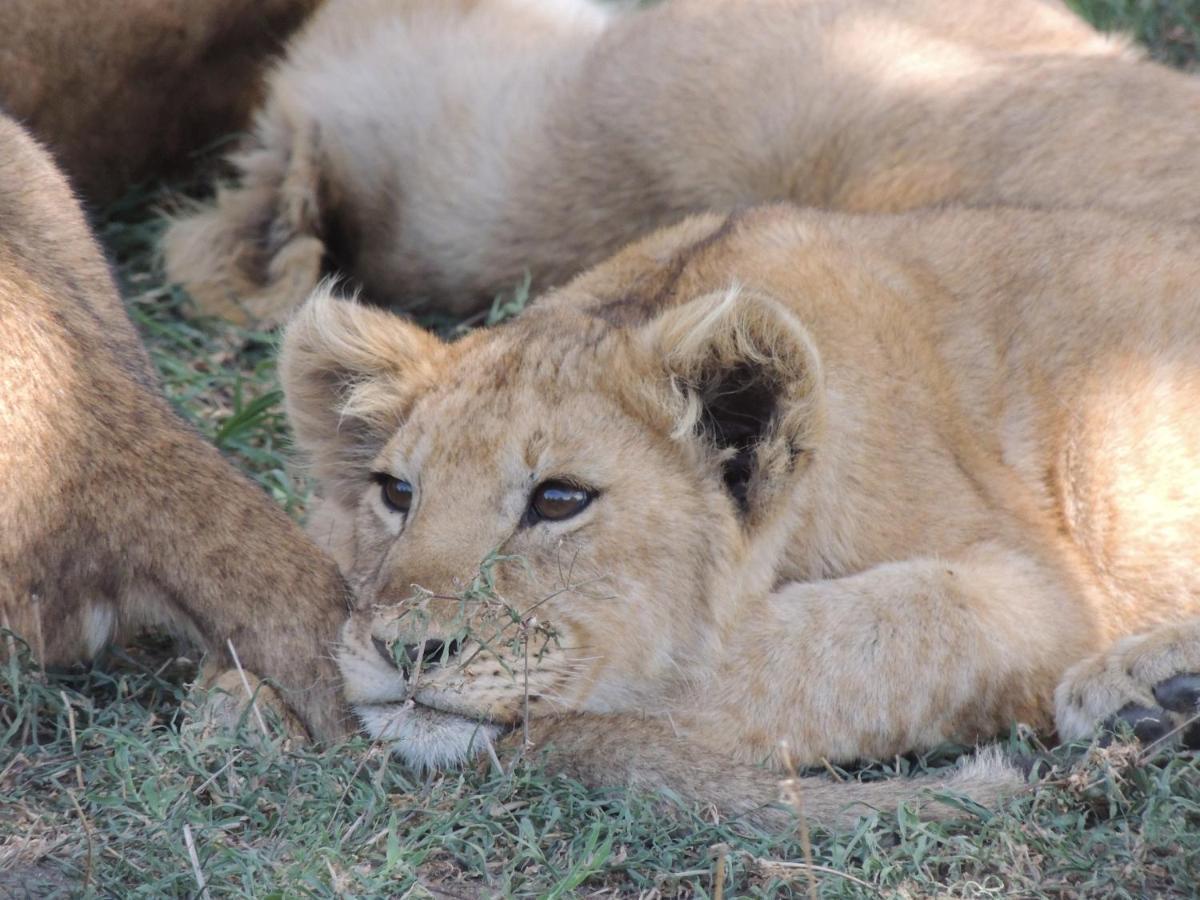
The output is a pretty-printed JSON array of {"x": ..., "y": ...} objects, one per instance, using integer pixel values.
[
  {"x": 746, "y": 384},
  {"x": 737, "y": 410}
]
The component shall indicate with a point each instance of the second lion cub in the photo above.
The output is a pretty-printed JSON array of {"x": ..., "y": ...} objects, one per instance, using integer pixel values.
[
  {"x": 863, "y": 484},
  {"x": 436, "y": 150}
]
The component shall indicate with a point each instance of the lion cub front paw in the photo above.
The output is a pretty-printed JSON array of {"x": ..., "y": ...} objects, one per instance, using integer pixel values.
[
  {"x": 1150, "y": 682},
  {"x": 223, "y": 699}
]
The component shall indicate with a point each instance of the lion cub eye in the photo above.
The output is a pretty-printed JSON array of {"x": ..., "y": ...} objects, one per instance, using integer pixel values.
[
  {"x": 558, "y": 500},
  {"x": 397, "y": 493}
]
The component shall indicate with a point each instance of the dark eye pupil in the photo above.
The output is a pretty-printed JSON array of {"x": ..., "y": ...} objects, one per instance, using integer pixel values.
[
  {"x": 557, "y": 500},
  {"x": 397, "y": 494}
]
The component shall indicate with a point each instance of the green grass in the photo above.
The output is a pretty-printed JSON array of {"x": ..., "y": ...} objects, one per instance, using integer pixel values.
[
  {"x": 219, "y": 377},
  {"x": 101, "y": 800},
  {"x": 101, "y": 785},
  {"x": 1169, "y": 28}
]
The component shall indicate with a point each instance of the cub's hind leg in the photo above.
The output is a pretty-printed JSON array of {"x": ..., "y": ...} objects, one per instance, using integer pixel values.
[{"x": 1151, "y": 681}]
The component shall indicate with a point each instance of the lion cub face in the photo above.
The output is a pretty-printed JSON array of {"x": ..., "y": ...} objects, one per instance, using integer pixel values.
[{"x": 559, "y": 514}]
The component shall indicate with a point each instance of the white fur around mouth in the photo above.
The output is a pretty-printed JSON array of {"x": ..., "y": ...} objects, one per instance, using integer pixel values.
[{"x": 427, "y": 738}]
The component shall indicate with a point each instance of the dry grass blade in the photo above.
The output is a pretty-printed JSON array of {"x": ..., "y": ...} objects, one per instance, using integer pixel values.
[
  {"x": 1150, "y": 749},
  {"x": 74, "y": 738},
  {"x": 251, "y": 699},
  {"x": 793, "y": 796},
  {"x": 719, "y": 853},
  {"x": 91, "y": 844},
  {"x": 190, "y": 844},
  {"x": 776, "y": 866}
]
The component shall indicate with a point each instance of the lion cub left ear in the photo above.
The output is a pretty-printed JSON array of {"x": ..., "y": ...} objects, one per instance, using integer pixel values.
[
  {"x": 746, "y": 386},
  {"x": 350, "y": 376}
]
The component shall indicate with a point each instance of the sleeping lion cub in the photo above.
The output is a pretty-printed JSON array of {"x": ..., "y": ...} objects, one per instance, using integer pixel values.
[
  {"x": 435, "y": 150},
  {"x": 860, "y": 484}
]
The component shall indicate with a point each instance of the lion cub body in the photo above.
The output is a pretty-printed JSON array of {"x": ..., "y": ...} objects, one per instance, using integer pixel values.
[
  {"x": 132, "y": 90},
  {"x": 114, "y": 515},
  {"x": 860, "y": 484},
  {"x": 437, "y": 151}
]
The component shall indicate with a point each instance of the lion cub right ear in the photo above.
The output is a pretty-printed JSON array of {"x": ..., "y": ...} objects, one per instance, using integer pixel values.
[
  {"x": 745, "y": 385},
  {"x": 350, "y": 375}
]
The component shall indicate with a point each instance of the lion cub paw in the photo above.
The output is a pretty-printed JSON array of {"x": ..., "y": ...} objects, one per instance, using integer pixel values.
[
  {"x": 224, "y": 700},
  {"x": 263, "y": 309},
  {"x": 1150, "y": 681}
]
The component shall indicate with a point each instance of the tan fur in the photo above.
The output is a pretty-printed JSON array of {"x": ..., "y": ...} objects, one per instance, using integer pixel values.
[
  {"x": 863, "y": 485},
  {"x": 434, "y": 152},
  {"x": 115, "y": 515},
  {"x": 127, "y": 90}
]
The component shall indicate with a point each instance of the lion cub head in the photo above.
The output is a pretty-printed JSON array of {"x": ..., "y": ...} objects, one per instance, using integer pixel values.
[{"x": 560, "y": 514}]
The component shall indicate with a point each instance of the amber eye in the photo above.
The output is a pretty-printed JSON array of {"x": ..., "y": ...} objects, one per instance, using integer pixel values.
[
  {"x": 397, "y": 493},
  {"x": 557, "y": 500}
]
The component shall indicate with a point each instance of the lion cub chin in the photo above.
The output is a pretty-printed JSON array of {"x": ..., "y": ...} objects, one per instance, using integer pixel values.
[
  {"x": 425, "y": 738},
  {"x": 857, "y": 484}
]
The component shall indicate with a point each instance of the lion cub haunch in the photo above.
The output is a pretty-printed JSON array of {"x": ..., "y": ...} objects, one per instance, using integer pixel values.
[
  {"x": 863, "y": 484},
  {"x": 113, "y": 513},
  {"x": 130, "y": 90},
  {"x": 438, "y": 151}
]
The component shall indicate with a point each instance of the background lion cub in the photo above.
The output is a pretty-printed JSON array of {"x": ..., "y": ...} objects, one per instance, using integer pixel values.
[
  {"x": 436, "y": 151},
  {"x": 130, "y": 90},
  {"x": 113, "y": 514},
  {"x": 860, "y": 484}
]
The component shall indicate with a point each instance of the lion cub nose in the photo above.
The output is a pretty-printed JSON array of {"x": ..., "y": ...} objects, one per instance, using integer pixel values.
[{"x": 431, "y": 653}]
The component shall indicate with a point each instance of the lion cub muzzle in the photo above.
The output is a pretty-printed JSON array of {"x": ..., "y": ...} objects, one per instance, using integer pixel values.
[{"x": 382, "y": 672}]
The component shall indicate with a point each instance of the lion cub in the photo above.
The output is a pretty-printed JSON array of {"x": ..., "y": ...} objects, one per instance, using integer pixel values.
[
  {"x": 436, "y": 151},
  {"x": 131, "y": 90},
  {"x": 860, "y": 484},
  {"x": 113, "y": 513}
]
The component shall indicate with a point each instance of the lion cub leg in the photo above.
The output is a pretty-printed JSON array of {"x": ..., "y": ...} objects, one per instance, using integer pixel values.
[
  {"x": 255, "y": 253},
  {"x": 900, "y": 657},
  {"x": 114, "y": 514},
  {"x": 1150, "y": 681}
]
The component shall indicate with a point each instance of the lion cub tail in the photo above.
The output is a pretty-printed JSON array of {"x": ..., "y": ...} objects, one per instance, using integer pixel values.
[
  {"x": 638, "y": 753},
  {"x": 255, "y": 251},
  {"x": 769, "y": 800},
  {"x": 984, "y": 780}
]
